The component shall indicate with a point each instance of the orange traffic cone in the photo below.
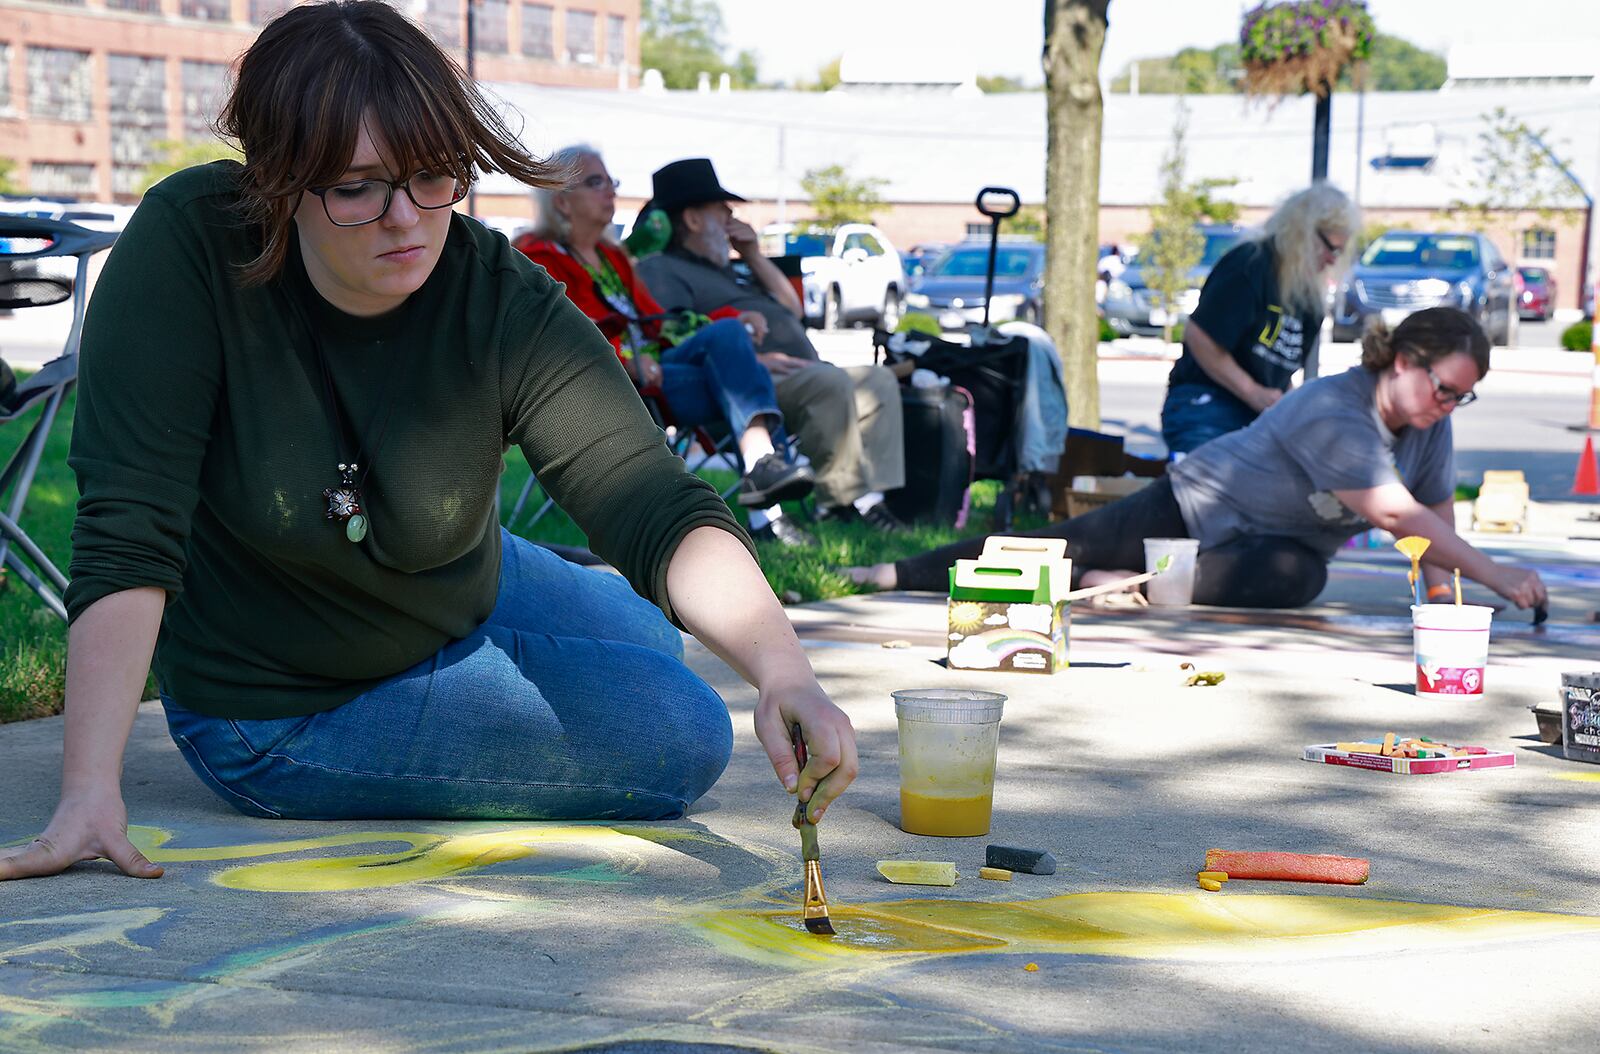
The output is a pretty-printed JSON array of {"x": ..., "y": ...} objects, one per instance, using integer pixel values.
[{"x": 1587, "y": 480}]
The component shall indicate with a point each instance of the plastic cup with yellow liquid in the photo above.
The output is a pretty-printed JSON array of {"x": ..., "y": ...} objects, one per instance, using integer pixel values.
[{"x": 949, "y": 738}]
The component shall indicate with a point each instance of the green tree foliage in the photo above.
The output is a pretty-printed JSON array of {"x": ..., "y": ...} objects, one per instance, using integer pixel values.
[
  {"x": 1031, "y": 221},
  {"x": 8, "y": 177},
  {"x": 998, "y": 84},
  {"x": 1394, "y": 65},
  {"x": 1176, "y": 243},
  {"x": 827, "y": 77},
  {"x": 684, "y": 38},
  {"x": 1514, "y": 172},
  {"x": 1399, "y": 65},
  {"x": 1192, "y": 71},
  {"x": 836, "y": 198},
  {"x": 180, "y": 154}
]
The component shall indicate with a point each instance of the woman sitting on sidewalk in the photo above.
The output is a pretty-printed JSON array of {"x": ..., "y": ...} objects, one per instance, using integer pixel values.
[
  {"x": 1273, "y": 502},
  {"x": 299, "y": 377},
  {"x": 712, "y": 374}
]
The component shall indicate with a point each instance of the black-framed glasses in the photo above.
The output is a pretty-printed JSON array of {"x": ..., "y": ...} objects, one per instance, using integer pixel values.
[
  {"x": 596, "y": 181},
  {"x": 1445, "y": 395},
  {"x": 1326, "y": 244},
  {"x": 363, "y": 201}
]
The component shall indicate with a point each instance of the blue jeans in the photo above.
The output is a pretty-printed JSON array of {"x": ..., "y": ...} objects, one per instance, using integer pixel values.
[
  {"x": 1197, "y": 413},
  {"x": 571, "y": 702},
  {"x": 715, "y": 376}
]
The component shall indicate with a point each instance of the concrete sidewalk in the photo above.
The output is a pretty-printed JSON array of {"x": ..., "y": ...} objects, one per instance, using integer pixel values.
[{"x": 1479, "y": 929}]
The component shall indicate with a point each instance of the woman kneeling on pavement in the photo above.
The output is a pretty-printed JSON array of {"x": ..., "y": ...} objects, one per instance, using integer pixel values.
[
  {"x": 708, "y": 375},
  {"x": 299, "y": 377},
  {"x": 1272, "y": 503}
]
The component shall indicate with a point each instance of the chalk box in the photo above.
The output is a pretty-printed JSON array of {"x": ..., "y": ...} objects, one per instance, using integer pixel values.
[
  {"x": 1580, "y": 716},
  {"x": 1329, "y": 754},
  {"x": 1009, "y": 608}
]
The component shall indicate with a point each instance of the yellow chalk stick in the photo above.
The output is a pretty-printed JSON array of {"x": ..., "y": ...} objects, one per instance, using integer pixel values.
[
  {"x": 918, "y": 872},
  {"x": 1210, "y": 885},
  {"x": 994, "y": 874},
  {"x": 1213, "y": 876},
  {"x": 1032, "y": 967}
]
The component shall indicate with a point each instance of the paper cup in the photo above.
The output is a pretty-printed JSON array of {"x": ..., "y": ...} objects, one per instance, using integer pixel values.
[
  {"x": 949, "y": 739},
  {"x": 1175, "y": 585},
  {"x": 1451, "y": 647}
]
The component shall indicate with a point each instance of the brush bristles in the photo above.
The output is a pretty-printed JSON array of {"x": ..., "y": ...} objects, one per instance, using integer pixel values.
[{"x": 815, "y": 912}]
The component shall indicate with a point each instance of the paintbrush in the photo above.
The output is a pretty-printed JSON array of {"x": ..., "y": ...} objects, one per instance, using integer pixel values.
[
  {"x": 1413, "y": 547},
  {"x": 815, "y": 911},
  {"x": 1458, "y": 587}
]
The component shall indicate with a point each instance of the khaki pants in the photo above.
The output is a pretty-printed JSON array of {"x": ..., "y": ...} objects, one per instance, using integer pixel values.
[{"x": 848, "y": 423}]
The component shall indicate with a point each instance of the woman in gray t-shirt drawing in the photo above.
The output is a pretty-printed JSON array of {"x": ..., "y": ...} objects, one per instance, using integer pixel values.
[{"x": 1273, "y": 502}]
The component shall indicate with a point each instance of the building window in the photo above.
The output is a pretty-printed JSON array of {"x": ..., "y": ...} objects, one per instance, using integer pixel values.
[
  {"x": 5, "y": 77},
  {"x": 443, "y": 20},
  {"x": 204, "y": 85},
  {"x": 59, "y": 84},
  {"x": 61, "y": 179},
  {"x": 138, "y": 90},
  {"x": 127, "y": 181},
  {"x": 206, "y": 10},
  {"x": 616, "y": 48},
  {"x": 1538, "y": 244},
  {"x": 143, "y": 7},
  {"x": 491, "y": 32},
  {"x": 264, "y": 11},
  {"x": 580, "y": 36},
  {"x": 538, "y": 31}
]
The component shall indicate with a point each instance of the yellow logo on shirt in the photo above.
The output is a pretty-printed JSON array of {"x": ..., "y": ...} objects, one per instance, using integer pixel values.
[{"x": 1269, "y": 332}]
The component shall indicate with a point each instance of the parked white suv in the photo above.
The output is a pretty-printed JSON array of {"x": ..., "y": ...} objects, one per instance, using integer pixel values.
[{"x": 848, "y": 274}]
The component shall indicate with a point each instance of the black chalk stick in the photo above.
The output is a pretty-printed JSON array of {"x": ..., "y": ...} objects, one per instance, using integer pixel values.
[{"x": 1027, "y": 861}]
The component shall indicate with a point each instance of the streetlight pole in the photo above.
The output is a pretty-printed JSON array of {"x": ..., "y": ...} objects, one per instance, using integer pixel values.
[{"x": 472, "y": 78}]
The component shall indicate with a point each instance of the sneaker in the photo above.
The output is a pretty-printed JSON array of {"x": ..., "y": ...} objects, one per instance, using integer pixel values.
[
  {"x": 784, "y": 532},
  {"x": 837, "y": 514},
  {"x": 772, "y": 480},
  {"x": 880, "y": 517}
]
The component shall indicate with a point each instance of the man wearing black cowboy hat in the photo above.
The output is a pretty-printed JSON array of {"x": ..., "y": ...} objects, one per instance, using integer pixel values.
[{"x": 847, "y": 420}]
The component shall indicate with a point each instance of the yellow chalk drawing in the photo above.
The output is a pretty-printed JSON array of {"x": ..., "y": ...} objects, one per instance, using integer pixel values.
[
  {"x": 425, "y": 856},
  {"x": 1578, "y": 777},
  {"x": 1236, "y": 927}
]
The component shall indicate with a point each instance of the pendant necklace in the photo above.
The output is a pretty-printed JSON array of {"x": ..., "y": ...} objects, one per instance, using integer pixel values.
[{"x": 345, "y": 500}]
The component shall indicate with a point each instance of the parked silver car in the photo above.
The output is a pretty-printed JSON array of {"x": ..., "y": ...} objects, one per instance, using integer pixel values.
[{"x": 848, "y": 274}]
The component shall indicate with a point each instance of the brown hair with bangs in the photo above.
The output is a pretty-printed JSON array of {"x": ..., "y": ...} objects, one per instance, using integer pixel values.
[{"x": 315, "y": 74}]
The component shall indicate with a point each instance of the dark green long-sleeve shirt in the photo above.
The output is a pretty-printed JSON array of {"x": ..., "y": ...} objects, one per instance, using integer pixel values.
[{"x": 203, "y": 443}]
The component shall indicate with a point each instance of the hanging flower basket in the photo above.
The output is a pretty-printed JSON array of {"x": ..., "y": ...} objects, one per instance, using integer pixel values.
[{"x": 1300, "y": 46}]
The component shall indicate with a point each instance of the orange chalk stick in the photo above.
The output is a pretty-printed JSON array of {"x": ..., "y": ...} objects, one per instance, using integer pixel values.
[{"x": 1289, "y": 867}]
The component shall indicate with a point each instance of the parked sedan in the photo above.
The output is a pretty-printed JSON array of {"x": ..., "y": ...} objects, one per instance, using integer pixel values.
[
  {"x": 1406, "y": 271},
  {"x": 1131, "y": 307},
  {"x": 952, "y": 288},
  {"x": 1536, "y": 294}
]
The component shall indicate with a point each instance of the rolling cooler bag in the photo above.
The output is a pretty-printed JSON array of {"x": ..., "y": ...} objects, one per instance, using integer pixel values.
[{"x": 940, "y": 444}]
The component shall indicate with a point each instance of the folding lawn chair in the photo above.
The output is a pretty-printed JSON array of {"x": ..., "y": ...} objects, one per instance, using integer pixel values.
[{"x": 23, "y": 238}]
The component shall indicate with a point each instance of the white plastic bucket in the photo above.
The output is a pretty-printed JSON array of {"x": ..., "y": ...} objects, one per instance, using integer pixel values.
[
  {"x": 1175, "y": 585},
  {"x": 1451, "y": 647}
]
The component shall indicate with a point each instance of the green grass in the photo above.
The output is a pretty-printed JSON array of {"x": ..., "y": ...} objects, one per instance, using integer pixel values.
[{"x": 33, "y": 641}]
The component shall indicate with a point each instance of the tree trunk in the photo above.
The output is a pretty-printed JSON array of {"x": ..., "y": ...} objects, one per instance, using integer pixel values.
[{"x": 1074, "y": 36}]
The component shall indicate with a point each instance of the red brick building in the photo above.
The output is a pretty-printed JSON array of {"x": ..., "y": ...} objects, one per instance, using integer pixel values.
[{"x": 90, "y": 88}]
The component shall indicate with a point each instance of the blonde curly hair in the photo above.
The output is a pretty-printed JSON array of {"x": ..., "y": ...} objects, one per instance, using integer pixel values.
[{"x": 1292, "y": 230}]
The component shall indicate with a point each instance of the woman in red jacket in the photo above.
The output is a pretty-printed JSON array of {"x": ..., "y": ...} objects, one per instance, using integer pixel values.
[{"x": 707, "y": 375}]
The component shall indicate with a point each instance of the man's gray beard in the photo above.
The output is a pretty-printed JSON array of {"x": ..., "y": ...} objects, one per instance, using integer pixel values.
[{"x": 714, "y": 239}]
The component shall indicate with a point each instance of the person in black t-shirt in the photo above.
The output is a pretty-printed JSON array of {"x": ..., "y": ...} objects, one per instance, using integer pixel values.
[{"x": 1259, "y": 317}]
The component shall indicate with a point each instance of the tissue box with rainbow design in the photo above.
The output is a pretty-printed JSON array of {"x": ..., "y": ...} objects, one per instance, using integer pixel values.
[{"x": 1009, "y": 609}]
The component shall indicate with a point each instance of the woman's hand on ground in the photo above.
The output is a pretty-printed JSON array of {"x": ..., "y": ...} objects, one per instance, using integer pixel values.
[
  {"x": 83, "y": 828},
  {"x": 1520, "y": 585},
  {"x": 831, "y": 761}
]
